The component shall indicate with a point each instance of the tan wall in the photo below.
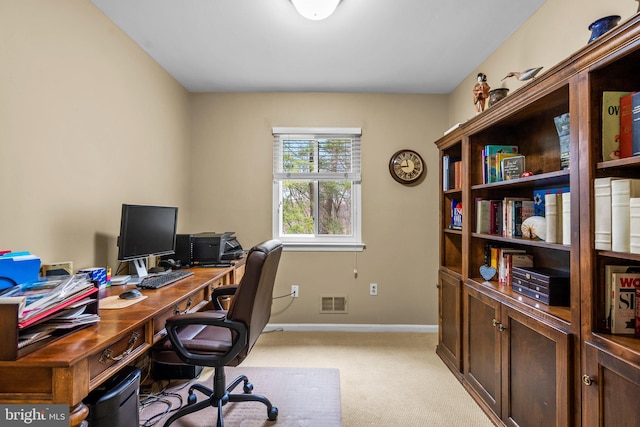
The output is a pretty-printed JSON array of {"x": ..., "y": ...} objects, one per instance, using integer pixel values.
[
  {"x": 553, "y": 33},
  {"x": 232, "y": 188},
  {"x": 87, "y": 122}
]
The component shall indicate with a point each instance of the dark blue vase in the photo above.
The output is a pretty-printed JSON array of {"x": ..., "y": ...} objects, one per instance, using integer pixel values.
[{"x": 602, "y": 25}]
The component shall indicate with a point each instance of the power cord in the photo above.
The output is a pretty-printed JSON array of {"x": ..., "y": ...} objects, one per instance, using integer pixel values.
[{"x": 284, "y": 296}]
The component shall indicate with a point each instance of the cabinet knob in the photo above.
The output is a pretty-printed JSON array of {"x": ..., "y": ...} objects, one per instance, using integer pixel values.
[
  {"x": 587, "y": 380},
  {"x": 494, "y": 322},
  {"x": 501, "y": 327}
]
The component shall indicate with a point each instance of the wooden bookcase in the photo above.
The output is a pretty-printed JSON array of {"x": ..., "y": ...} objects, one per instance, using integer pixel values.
[{"x": 514, "y": 355}]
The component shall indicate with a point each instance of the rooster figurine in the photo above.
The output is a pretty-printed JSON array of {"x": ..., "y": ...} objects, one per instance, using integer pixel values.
[{"x": 524, "y": 75}]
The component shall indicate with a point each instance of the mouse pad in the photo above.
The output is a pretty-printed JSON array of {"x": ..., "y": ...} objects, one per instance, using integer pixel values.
[{"x": 114, "y": 301}]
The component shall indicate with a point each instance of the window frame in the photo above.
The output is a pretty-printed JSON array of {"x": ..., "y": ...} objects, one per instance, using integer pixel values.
[{"x": 352, "y": 242}]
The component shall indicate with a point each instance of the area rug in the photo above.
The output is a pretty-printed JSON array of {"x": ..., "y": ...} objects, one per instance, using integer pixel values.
[{"x": 305, "y": 397}]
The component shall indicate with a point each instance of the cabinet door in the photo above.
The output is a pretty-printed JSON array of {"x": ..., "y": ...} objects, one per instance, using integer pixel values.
[
  {"x": 481, "y": 347},
  {"x": 450, "y": 321},
  {"x": 535, "y": 372},
  {"x": 610, "y": 391}
]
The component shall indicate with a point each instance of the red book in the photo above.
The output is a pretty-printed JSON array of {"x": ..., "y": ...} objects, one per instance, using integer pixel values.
[{"x": 626, "y": 127}]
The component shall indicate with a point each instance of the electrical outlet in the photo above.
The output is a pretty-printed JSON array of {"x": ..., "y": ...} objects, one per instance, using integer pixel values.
[
  {"x": 373, "y": 289},
  {"x": 294, "y": 291}
]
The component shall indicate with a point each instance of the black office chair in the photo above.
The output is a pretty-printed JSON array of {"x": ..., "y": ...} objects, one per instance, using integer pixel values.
[{"x": 219, "y": 338}]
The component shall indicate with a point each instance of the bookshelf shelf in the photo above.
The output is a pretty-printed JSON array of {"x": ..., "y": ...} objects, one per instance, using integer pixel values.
[{"x": 495, "y": 322}]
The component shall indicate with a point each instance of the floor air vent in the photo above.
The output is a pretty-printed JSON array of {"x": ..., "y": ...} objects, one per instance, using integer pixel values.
[{"x": 333, "y": 304}]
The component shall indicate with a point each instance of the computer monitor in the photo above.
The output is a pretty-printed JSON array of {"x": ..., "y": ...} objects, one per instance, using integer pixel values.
[{"x": 146, "y": 231}]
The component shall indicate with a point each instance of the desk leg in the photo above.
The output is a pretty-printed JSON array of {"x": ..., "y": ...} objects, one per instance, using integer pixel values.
[{"x": 78, "y": 415}]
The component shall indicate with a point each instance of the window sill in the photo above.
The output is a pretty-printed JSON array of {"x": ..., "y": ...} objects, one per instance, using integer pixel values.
[{"x": 323, "y": 247}]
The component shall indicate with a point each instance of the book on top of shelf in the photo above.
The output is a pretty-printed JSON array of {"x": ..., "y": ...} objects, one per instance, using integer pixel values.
[
  {"x": 563, "y": 127},
  {"x": 483, "y": 209},
  {"x": 512, "y": 167},
  {"x": 566, "y": 218},
  {"x": 456, "y": 215},
  {"x": 623, "y": 309},
  {"x": 611, "y": 123},
  {"x": 499, "y": 158},
  {"x": 490, "y": 152},
  {"x": 625, "y": 134}
]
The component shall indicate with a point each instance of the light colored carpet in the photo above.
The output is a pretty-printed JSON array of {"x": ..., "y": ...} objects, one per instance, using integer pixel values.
[
  {"x": 387, "y": 379},
  {"x": 305, "y": 397}
]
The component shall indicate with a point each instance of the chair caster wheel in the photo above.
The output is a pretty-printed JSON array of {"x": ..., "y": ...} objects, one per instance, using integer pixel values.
[
  {"x": 273, "y": 413},
  {"x": 191, "y": 399},
  {"x": 248, "y": 388}
]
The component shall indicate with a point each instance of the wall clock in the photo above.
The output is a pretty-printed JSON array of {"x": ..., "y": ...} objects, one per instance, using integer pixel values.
[{"x": 407, "y": 167}]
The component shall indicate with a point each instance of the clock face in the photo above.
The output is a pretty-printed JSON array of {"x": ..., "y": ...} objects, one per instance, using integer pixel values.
[{"x": 407, "y": 167}]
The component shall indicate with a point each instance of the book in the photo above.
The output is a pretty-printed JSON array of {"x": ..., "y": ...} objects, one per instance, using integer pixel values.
[
  {"x": 538, "y": 198},
  {"x": 635, "y": 125},
  {"x": 566, "y": 219},
  {"x": 626, "y": 131},
  {"x": 490, "y": 152},
  {"x": 508, "y": 215},
  {"x": 504, "y": 263},
  {"x": 457, "y": 174},
  {"x": 553, "y": 214},
  {"x": 483, "y": 208},
  {"x": 495, "y": 217},
  {"x": 445, "y": 173},
  {"x": 608, "y": 292},
  {"x": 623, "y": 310},
  {"x": 563, "y": 127},
  {"x": 523, "y": 210},
  {"x": 499, "y": 158},
  {"x": 622, "y": 190},
  {"x": 512, "y": 167},
  {"x": 634, "y": 225},
  {"x": 602, "y": 212},
  {"x": 611, "y": 122},
  {"x": 456, "y": 215}
]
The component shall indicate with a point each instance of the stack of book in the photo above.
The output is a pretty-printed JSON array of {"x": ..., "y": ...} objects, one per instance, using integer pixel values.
[
  {"x": 555, "y": 205},
  {"x": 503, "y": 217},
  {"x": 503, "y": 259},
  {"x": 617, "y": 214},
  {"x": 496, "y": 167},
  {"x": 620, "y": 124},
  {"x": 622, "y": 287},
  {"x": 451, "y": 173}
]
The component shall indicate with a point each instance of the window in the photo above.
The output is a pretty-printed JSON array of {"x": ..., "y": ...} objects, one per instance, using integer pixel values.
[{"x": 316, "y": 188}]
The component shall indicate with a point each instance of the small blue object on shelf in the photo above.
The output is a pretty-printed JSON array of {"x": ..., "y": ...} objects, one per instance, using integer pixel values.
[
  {"x": 602, "y": 25},
  {"x": 17, "y": 268}
]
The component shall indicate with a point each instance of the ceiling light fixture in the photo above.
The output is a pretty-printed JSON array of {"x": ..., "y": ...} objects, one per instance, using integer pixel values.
[{"x": 315, "y": 10}]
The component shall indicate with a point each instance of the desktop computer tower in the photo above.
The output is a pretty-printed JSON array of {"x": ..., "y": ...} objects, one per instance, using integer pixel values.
[
  {"x": 183, "y": 255},
  {"x": 116, "y": 402}
]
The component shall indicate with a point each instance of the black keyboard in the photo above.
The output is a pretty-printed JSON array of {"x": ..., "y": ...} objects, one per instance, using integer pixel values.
[{"x": 163, "y": 279}]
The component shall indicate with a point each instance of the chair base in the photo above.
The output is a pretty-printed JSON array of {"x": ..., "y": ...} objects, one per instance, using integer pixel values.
[{"x": 219, "y": 399}]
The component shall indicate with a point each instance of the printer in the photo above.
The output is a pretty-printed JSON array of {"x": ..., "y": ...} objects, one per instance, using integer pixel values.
[
  {"x": 207, "y": 248},
  {"x": 215, "y": 248}
]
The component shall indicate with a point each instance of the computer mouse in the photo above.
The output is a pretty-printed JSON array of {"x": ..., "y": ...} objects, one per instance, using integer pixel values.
[{"x": 131, "y": 294}]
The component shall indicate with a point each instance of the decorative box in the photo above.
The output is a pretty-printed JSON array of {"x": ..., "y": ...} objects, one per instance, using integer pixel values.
[{"x": 547, "y": 285}]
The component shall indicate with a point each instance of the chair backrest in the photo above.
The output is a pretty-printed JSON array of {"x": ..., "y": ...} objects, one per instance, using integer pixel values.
[{"x": 252, "y": 301}]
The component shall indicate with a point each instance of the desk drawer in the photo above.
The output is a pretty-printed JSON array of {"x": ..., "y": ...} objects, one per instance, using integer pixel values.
[
  {"x": 188, "y": 304},
  {"x": 119, "y": 353}
]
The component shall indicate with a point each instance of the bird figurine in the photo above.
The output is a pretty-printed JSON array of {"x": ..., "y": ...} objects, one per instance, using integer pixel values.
[{"x": 524, "y": 75}]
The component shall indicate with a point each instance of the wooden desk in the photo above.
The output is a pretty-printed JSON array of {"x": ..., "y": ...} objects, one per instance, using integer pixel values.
[{"x": 66, "y": 370}]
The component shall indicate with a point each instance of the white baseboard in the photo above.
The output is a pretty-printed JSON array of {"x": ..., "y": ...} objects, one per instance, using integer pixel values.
[{"x": 330, "y": 327}]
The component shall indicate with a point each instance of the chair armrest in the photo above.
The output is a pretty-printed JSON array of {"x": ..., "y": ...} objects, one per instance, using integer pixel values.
[
  {"x": 221, "y": 291},
  {"x": 206, "y": 318}
]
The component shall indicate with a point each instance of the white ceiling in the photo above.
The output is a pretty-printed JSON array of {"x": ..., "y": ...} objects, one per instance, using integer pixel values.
[{"x": 375, "y": 46}]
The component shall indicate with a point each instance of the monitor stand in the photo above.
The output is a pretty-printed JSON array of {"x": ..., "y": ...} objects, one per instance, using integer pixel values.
[{"x": 141, "y": 267}]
